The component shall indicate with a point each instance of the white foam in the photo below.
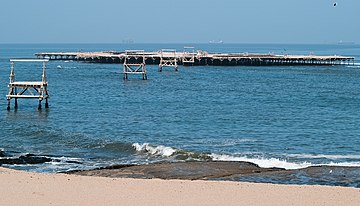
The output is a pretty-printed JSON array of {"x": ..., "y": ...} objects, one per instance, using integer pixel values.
[
  {"x": 324, "y": 156},
  {"x": 154, "y": 150},
  {"x": 67, "y": 159},
  {"x": 354, "y": 66},
  {"x": 275, "y": 162},
  {"x": 230, "y": 142},
  {"x": 263, "y": 162},
  {"x": 343, "y": 164}
]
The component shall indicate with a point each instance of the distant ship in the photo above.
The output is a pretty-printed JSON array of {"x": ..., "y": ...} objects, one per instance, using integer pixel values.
[
  {"x": 346, "y": 42},
  {"x": 216, "y": 42},
  {"x": 127, "y": 41}
]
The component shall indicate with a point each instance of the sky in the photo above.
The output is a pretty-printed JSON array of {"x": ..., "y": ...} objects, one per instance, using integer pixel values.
[{"x": 179, "y": 21}]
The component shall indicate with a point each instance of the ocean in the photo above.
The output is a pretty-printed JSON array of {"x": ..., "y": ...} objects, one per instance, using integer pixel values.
[{"x": 290, "y": 117}]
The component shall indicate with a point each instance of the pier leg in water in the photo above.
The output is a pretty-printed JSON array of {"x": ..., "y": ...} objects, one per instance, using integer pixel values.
[
  {"x": 144, "y": 77},
  {"x": 39, "y": 106},
  {"x": 47, "y": 103},
  {"x": 160, "y": 69},
  {"x": 8, "y": 106},
  {"x": 16, "y": 104}
]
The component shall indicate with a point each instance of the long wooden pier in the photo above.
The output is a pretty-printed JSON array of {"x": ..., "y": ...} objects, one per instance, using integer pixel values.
[{"x": 198, "y": 58}]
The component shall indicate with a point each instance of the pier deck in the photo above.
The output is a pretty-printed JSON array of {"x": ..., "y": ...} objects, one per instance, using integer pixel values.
[{"x": 200, "y": 58}]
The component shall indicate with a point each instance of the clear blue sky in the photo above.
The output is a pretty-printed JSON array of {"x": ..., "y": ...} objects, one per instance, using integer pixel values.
[{"x": 179, "y": 21}]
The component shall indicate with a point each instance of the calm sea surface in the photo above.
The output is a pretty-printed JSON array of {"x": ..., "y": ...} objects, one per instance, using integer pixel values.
[{"x": 288, "y": 116}]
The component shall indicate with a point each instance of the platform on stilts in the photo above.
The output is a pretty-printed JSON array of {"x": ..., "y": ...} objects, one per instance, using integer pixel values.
[
  {"x": 188, "y": 58},
  {"x": 134, "y": 63},
  {"x": 28, "y": 89},
  {"x": 168, "y": 58}
]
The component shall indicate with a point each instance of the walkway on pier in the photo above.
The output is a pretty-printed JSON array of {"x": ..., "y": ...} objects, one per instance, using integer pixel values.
[{"x": 200, "y": 58}]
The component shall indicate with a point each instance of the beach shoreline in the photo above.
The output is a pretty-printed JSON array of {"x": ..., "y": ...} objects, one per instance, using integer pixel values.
[{"x": 27, "y": 188}]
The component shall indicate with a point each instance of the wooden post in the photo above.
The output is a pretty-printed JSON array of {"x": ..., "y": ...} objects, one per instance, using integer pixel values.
[
  {"x": 43, "y": 77},
  {"x": 16, "y": 104},
  {"x": 39, "y": 105},
  {"x": 11, "y": 89},
  {"x": 12, "y": 73}
]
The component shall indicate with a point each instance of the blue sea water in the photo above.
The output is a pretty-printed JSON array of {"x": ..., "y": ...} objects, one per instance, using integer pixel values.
[{"x": 275, "y": 116}]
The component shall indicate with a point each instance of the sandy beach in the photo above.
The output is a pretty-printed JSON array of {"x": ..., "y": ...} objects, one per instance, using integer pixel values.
[{"x": 24, "y": 188}]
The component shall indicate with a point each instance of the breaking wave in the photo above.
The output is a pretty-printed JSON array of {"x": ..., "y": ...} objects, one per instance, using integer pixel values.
[
  {"x": 154, "y": 150},
  {"x": 264, "y": 162},
  {"x": 324, "y": 156}
]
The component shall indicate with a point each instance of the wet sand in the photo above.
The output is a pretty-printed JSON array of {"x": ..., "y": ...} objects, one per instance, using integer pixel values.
[{"x": 24, "y": 188}]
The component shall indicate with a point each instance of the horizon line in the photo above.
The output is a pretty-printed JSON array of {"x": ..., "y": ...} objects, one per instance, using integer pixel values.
[{"x": 269, "y": 43}]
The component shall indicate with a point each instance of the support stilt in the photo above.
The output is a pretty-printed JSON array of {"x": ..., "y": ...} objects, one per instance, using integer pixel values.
[
  {"x": 39, "y": 105},
  {"x": 46, "y": 103},
  {"x": 8, "y": 106},
  {"x": 144, "y": 76},
  {"x": 16, "y": 103}
]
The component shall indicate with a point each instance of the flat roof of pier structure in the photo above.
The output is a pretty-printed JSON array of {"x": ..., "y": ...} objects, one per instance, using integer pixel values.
[
  {"x": 29, "y": 60},
  {"x": 241, "y": 55},
  {"x": 57, "y": 53},
  {"x": 274, "y": 55},
  {"x": 279, "y": 57},
  {"x": 24, "y": 84},
  {"x": 96, "y": 54},
  {"x": 117, "y": 54},
  {"x": 316, "y": 56},
  {"x": 140, "y": 53}
]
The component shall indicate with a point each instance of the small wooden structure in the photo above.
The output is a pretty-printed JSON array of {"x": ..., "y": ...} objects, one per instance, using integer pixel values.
[
  {"x": 28, "y": 89},
  {"x": 188, "y": 57},
  {"x": 134, "y": 63},
  {"x": 168, "y": 58}
]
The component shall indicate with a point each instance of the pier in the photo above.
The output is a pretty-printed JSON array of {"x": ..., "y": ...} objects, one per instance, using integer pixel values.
[{"x": 197, "y": 58}]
